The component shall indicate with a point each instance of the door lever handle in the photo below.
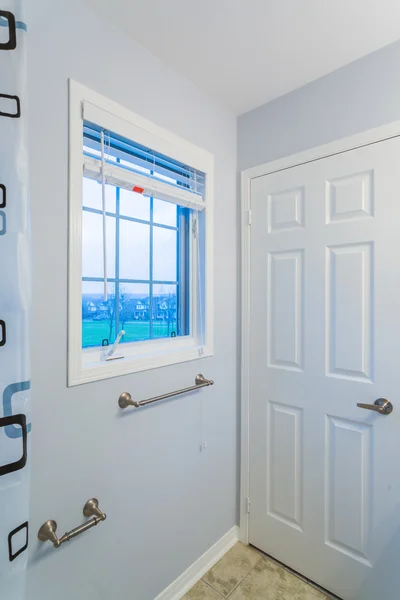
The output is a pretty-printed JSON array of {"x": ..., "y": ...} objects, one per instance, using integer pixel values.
[{"x": 381, "y": 405}]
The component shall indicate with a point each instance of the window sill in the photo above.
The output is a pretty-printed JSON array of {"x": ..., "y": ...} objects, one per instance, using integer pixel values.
[{"x": 97, "y": 371}]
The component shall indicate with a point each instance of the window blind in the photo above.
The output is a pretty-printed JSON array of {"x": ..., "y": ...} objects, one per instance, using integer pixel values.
[{"x": 130, "y": 165}]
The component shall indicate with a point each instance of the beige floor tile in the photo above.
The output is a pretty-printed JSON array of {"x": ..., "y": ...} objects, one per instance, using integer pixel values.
[
  {"x": 269, "y": 581},
  {"x": 231, "y": 569},
  {"x": 202, "y": 591},
  {"x": 307, "y": 592}
]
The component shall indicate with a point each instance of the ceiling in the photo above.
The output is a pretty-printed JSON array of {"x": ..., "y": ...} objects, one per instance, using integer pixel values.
[{"x": 247, "y": 52}]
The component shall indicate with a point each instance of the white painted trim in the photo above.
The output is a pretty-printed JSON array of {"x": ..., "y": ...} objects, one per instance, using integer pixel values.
[
  {"x": 199, "y": 568},
  {"x": 126, "y": 123},
  {"x": 74, "y": 233},
  {"x": 129, "y": 365},
  {"x": 245, "y": 353},
  {"x": 364, "y": 138}
]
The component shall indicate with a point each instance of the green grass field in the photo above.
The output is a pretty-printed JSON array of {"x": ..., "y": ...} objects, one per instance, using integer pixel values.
[{"x": 93, "y": 332}]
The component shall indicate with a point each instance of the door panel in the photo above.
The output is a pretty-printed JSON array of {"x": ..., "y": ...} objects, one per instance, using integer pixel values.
[
  {"x": 284, "y": 483},
  {"x": 325, "y": 274},
  {"x": 349, "y": 308},
  {"x": 285, "y": 309},
  {"x": 348, "y": 493}
]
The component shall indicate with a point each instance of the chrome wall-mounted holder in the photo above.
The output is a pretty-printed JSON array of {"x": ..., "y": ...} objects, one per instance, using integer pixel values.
[
  {"x": 48, "y": 530},
  {"x": 125, "y": 398}
]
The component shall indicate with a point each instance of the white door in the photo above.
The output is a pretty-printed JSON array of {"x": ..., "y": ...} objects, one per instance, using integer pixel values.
[{"x": 325, "y": 335}]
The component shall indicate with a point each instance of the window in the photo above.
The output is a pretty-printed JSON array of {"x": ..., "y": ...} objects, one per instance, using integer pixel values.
[
  {"x": 140, "y": 264},
  {"x": 147, "y": 241}
]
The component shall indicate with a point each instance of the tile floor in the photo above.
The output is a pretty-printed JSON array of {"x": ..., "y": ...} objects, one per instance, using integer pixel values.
[{"x": 246, "y": 574}]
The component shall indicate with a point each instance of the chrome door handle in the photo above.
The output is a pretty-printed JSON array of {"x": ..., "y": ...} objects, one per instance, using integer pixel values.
[{"x": 382, "y": 406}]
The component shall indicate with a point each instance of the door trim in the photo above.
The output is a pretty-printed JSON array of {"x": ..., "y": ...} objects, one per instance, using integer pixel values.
[{"x": 359, "y": 140}]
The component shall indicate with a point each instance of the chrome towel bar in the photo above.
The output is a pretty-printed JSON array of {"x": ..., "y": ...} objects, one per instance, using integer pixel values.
[
  {"x": 125, "y": 398},
  {"x": 47, "y": 532}
]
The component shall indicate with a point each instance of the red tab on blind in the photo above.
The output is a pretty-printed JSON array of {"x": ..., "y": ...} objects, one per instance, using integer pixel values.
[{"x": 138, "y": 189}]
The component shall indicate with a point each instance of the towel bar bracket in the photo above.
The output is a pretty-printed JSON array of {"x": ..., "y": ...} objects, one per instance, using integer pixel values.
[{"x": 48, "y": 531}]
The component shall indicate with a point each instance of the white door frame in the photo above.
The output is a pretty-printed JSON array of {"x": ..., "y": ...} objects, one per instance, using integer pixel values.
[{"x": 337, "y": 147}]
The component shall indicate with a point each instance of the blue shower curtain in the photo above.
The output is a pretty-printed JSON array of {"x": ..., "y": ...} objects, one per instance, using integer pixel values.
[{"x": 14, "y": 303}]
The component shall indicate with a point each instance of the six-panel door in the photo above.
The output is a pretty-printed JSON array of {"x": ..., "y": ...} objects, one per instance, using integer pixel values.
[{"x": 325, "y": 325}]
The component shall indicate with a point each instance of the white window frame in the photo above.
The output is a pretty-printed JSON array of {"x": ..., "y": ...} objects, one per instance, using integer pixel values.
[{"x": 85, "y": 365}]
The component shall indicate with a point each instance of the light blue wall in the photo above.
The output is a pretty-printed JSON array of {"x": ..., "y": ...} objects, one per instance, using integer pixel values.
[
  {"x": 357, "y": 97},
  {"x": 166, "y": 502}
]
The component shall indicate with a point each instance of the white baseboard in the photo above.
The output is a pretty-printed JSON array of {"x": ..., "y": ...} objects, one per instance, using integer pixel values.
[{"x": 178, "y": 588}]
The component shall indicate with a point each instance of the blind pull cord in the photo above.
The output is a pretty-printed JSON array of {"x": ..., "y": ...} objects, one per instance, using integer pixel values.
[{"x": 103, "y": 198}]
